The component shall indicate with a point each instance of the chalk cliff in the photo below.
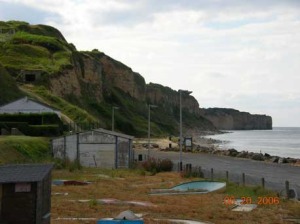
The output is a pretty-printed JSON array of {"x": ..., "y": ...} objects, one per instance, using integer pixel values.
[
  {"x": 95, "y": 82},
  {"x": 230, "y": 119}
]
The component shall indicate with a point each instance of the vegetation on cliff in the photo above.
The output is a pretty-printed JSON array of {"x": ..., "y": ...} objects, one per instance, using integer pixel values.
[
  {"x": 86, "y": 85},
  {"x": 8, "y": 87}
]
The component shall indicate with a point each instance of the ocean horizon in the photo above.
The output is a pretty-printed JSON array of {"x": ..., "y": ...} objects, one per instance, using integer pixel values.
[{"x": 280, "y": 141}]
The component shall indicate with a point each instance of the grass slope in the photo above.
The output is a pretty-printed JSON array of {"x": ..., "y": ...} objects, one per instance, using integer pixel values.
[
  {"x": 8, "y": 87},
  {"x": 24, "y": 149},
  {"x": 33, "y": 47}
]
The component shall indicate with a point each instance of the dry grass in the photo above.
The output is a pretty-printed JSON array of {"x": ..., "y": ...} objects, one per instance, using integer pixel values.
[{"x": 126, "y": 185}]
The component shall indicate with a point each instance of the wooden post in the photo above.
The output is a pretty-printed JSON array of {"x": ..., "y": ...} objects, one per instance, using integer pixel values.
[
  {"x": 263, "y": 183},
  {"x": 200, "y": 172},
  {"x": 77, "y": 149},
  {"x": 65, "y": 149},
  {"x": 244, "y": 179},
  {"x": 287, "y": 189},
  {"x": 212, "y": 174},
  {"x": 227, "y": 176}
]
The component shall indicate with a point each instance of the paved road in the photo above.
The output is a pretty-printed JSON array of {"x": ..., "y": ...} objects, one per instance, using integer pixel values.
[{"x": 275, "y": 174}]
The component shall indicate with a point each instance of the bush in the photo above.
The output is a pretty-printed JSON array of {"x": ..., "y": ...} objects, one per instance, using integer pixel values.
[
  {"x": 33, "y": 130},
  {"x": 193, "y": 173},
  {"x": 51, "y": 43},
  {"x": 44, "y": 130},
  {"x": 32, "y": 119},
  {"x": 154, "y": 165}
]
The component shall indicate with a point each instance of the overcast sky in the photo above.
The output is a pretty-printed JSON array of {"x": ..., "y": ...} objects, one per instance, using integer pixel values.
[{"x": 231, "y": 53}]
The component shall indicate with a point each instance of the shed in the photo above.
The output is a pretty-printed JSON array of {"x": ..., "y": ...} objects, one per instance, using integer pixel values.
[
  {"x": 95, "y": 148},
  {"x": 27, "y": 105},
  {"x": 25, "y": 193}
]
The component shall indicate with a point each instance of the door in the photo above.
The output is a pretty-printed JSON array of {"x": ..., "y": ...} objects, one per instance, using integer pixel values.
[{"x": 19, "y": 204}]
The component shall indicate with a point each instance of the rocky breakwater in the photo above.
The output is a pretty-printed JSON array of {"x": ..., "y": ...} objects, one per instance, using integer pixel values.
[
  {"x": 231, "y": 119},
  {"x": 246, "y": 155}
]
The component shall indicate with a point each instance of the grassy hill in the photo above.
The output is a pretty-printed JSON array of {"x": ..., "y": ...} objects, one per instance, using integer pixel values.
[
  {"x": 24, "y": 149},
  {"x": 84, "y": 85},
  {"x": 8, "y": 87}
]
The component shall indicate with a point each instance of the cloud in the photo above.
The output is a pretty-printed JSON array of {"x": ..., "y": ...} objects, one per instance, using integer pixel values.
[
  {"x": 241, "y": 54},
  {"x": 19, "y": 11}
]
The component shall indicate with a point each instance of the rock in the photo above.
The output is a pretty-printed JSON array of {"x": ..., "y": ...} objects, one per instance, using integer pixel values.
[
  {"x": 154, "y": 145},
  {"x": 258, "y": 157},
  {"x": 291, "y": 160},
  {"x": 233, "y": 152},
  {"x": 274, "y": 159},
  {"x": 267, "y": 155},
  {"x": 242, "y": 154},
  {"x": 297, "y": 163},
  {"x": 282, "y": 160}
]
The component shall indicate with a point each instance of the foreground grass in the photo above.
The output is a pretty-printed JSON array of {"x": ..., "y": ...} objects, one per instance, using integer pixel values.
[
  {"x": 135, "y": 185},
  {"x": 24, "y": 149}
]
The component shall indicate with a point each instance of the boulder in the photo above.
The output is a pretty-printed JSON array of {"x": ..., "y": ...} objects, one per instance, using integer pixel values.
[
  {"x": 233, "y": 152},
  {"x": 258, "y": 157}
]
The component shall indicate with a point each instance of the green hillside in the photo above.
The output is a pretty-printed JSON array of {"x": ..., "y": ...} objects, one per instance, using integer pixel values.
[
  {"x": 23, "y": 149},
  {"x": 42, "y": 50},
  {"x": 8, "y": 87}
]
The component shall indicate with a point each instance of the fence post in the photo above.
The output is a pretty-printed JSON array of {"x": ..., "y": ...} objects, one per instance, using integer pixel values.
[
  {"x": 77, "y": 148},
  {"x": 227, "y": 176},
  {"x": 200, "y": 172},
  {"x": 263, "y": 183},
  {"x": 244, "y": 179},
  {"x": 212, "y": 174},
  {"x": 65, "y": 149},
  {"x": 180, "y": 166},
  {"x": 287, "y": 189}
]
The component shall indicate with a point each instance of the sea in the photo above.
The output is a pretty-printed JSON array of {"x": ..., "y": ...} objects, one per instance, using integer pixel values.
[{"x": 281, "y": 141}]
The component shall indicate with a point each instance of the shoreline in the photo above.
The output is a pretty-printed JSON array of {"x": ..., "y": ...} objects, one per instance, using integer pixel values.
[{"x": 204, "y": 145}]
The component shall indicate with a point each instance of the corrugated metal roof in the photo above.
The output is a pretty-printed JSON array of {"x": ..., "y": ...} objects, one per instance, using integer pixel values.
[
  {"x": 101, "y": 130},
  {"x": 24, "y": 172},
  {"x": 26, "y": 105}
]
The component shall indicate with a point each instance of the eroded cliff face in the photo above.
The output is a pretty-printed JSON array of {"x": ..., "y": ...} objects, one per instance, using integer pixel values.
[
  {"x": 82, "y": 80},
  {"x": 230, "y": 119},
  {"x": 169, "y": 98},
  {"x": 93, "y": 74},
  {"x": 120, "y": 76}
]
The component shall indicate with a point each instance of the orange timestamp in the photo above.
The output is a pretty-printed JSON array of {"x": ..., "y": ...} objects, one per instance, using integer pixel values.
[{"x": 265, "y": 200}]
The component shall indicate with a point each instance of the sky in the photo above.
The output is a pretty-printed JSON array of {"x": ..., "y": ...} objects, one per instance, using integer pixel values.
[{"x": 231, "y": 53}]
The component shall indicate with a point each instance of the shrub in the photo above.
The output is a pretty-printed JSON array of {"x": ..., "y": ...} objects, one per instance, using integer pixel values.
[
  {"x": 193, "y": 173},
  {"x": 51, "y": 43},
  {"x": 157, "y": 165}
]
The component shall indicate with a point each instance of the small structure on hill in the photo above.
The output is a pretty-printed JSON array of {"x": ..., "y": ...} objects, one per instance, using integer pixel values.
[
  {"x": 27, "y": 105},
  {"x": 30, "y": 76},
  {"x": 95, "y": 148},
  {"x": 25, "y": 193}
]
